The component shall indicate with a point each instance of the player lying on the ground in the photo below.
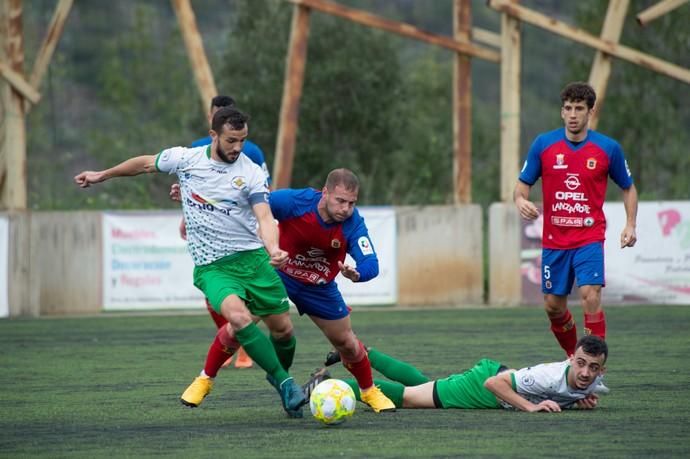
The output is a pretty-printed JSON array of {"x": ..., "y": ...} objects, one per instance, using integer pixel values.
[{"x": 550, "y": 387}]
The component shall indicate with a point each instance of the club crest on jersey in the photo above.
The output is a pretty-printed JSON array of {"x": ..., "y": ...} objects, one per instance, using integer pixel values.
[
  {"x": 591, "y": 164},
  {"x": 560, "y": 161},
  {"x": 238, "y": 182},
  {"x": 335, "y": 243},
  {"x": 528, "y": 380},
  {"x": 365, "y": 245}
]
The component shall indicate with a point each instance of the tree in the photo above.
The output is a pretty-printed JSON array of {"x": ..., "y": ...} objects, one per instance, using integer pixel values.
[
  {"x": 645, "y": 111},
  {"x": 348, "y": 110}
]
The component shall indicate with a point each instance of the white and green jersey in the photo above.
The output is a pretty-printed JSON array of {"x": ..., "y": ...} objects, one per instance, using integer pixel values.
[
  {"x": 549, "y": 381},
  {"x": 217, "y": 200}
]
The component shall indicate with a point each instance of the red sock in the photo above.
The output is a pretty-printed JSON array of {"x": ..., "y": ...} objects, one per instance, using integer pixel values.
[
  {"x": 217, "y": 318},
  {"x": 361, "y": 368},
  {"x": 595, "y": 324},
  {"x": 223, "y": 346},
  {"x": 563, "y": 328}
]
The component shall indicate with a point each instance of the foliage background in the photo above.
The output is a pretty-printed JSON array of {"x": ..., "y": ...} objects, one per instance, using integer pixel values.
[{"x": 120, "y": 85}]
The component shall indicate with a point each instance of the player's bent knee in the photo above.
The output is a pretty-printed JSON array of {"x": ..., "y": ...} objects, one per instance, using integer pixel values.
[{"x": 280, "y": 326}]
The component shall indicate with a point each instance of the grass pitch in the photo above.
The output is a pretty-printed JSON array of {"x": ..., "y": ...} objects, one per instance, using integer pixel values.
[{"x": 109, "y": 387}]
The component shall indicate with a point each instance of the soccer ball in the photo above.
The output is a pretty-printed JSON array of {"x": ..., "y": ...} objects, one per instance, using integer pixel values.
[{"x": 332, "y": 401}]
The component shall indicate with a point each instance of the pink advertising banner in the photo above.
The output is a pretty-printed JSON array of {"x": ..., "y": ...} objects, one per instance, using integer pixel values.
[{"x": 655, "y": 271}]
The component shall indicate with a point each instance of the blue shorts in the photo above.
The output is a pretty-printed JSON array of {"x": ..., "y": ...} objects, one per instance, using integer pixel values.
[
  {"x": 559, "y": 268},
  {"x": 323, "y": 301}
]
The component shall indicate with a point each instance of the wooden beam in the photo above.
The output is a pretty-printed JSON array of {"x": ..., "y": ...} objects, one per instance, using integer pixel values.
[
  {"x": 19, "y": 84},
  {"x": 511, "y": 49},
  {"x": 195, "y": 52},
  {"x": 659, "y": 9},
  {"x": 462, "y": 105},
  {"x": 580, "y": 36},
  {"x": 400, "y": 28},
  {"x": 45, "y": 53},
  {"x": 13, "y": 195},
  {"x": 292, "y": 93},
  {"x": 487, "y": 37},
  {"x": 601, "y": 68}
]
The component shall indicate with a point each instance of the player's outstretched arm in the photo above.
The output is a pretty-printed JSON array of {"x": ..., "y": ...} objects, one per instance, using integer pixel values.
[
  {"x": 501, "y": 386},
  {"x": 133, "y": 166},
  {"x": 268, "y": 232},
  {"x": 629, "y": 236},
  {"x": 527, "y": 209}
]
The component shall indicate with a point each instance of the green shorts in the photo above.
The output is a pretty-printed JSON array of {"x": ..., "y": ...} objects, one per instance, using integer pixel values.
[
  {"x": 245, "y": 274},
  {"x": 466, "y": 390}
]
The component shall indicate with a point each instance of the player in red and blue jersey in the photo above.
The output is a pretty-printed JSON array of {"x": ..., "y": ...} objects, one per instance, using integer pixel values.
[
  {"x": 317, "y": 229},
  {"x": 575, "y": 164}
]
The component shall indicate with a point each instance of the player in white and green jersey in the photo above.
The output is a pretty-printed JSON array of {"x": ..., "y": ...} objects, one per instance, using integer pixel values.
[
  {"x": 224, "y": 198},
  {"x": 550, "y": 387}
]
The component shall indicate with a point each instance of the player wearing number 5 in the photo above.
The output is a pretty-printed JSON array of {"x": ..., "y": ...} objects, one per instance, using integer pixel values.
[{"x": 575, "y": 164}]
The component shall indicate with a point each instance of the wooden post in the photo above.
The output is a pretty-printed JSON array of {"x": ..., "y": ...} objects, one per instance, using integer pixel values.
[
  {"x": 50, "y": 41},
  {"x": 510, "y": 104},
  {"x": 12, "y": 123},
  {"x": 601, "y": 68},
  {"x": 658, "y": 9},
  {"x": 195, "y": 52},
  {"x": 292, "y": 93},
  {"x": 462, "y": 105}
]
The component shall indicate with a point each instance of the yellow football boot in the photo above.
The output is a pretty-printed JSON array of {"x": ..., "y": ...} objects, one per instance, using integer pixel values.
[
  {"x": 195, "y": 393},
  {"x": 376, "y": 399}
]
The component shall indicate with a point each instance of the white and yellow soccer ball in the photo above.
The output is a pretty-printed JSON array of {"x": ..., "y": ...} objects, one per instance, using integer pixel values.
[{"x": 332, "y": 401}]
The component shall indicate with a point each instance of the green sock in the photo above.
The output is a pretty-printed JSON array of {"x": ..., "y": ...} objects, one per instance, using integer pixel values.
[
  {"x": 285, "y": 350},
  {"x": 392, "y": 390},
  {"x": 259, "y": 348},
  {"x": 397, "y": 370}
]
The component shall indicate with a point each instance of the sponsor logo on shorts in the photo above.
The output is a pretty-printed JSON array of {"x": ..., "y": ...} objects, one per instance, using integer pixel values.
[{"x": 547, "y": 284}]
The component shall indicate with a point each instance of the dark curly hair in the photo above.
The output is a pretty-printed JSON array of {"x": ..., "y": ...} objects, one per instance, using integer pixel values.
[
  {"x": 593, "y": 345},
  {"x": 577, "y": 92}
]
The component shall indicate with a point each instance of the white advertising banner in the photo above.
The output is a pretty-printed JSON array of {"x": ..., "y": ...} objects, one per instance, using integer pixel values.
[
  {"x": 146, "y": 264},
  {"x": 4, "y": 266},
  {"x": 657, "y": 269},
  {"x": 383, "y": 289}
]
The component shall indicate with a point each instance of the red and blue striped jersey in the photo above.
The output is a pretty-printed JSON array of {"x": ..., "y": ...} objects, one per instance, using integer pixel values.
[
  {"x": 316, "y": 247},
  {"x": 574, "y": 181}
]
